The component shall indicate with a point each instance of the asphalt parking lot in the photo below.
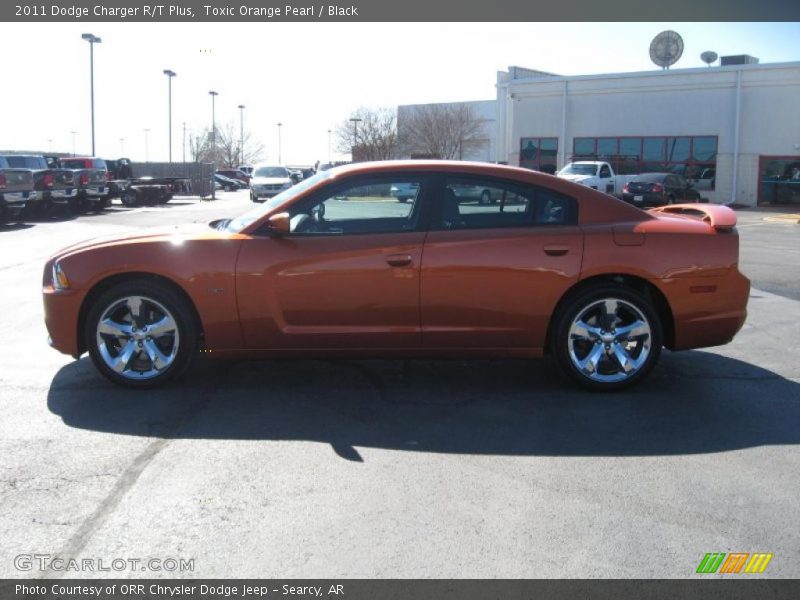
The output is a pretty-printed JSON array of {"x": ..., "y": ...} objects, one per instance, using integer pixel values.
[{"x": 399, "y": 468}]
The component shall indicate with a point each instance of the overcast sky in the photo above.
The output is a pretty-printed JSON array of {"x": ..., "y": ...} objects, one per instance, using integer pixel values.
[{"x": 309, "y": 76}]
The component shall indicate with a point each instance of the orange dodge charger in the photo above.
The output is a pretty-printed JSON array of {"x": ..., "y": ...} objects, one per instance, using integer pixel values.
[{"x": 408, "y": 259}]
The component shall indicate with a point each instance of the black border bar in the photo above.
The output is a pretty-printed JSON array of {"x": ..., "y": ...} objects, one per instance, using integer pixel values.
[
  {"x": 253, "y": 11},
  {"x": 729, "y": 588}
]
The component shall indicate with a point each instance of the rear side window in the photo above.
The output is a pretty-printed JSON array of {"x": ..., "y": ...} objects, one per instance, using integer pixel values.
[
  {"x": 99, "y": 163},
  {"x": 485, "y": 204}
]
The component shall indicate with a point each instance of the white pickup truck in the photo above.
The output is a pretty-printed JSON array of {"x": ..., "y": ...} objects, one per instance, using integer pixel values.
[{"x": 595, "y": 174}]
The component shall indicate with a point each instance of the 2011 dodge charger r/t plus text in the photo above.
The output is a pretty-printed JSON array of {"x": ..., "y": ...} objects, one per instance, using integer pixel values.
[{"x": 335, "y": 266}]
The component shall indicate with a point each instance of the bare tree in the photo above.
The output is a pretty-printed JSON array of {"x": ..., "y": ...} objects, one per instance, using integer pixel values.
[
  {"x": 226, "y": 146},
  {"x": 446, "y": 131},
  {"x": 372, "y": 137}
]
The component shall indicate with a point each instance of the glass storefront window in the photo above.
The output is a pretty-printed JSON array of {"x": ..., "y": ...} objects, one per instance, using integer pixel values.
[
  {"x": 779, "y": 180},
  {"x": 539, "y": 154},
  {"x": 678, "y": 149},
  {"x": 653, "y": 149},
  {"x": 704, "y": 149}
]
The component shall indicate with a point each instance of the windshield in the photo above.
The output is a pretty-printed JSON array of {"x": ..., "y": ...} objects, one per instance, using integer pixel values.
[
  {"x": 578, "y": 169},
  {"x": 236, "y": 225},
  {"x": 271, "y": 172}
]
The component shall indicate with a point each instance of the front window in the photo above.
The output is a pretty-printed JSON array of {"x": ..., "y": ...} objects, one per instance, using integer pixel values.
[
  {"x": 241, "y": 222},
  {"x": 375, "y": 205}
]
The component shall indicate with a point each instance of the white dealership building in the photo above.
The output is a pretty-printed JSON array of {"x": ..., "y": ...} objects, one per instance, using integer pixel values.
[{"x": 734, "y": 130}]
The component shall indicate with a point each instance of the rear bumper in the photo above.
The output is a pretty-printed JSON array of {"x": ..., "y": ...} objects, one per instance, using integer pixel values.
[
  {"x": 707, "y": 311},
  {"x": 61, "y": 195}
]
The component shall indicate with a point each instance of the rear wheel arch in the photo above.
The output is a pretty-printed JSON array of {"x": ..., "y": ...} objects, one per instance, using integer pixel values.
[
  {"x": 632, "y": 282},
  {"x": 99, "y": 288}
]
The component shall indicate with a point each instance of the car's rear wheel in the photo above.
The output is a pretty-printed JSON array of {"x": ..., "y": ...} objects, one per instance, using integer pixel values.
[
  {"x": 607, "y": 337},
  {"x": 141, "y": 334}
]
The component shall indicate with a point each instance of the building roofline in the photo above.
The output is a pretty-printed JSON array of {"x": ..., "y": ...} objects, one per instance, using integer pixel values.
[{"x": 652, "y": 73}]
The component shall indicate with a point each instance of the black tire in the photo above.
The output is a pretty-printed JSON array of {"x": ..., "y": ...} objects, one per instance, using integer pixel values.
[
  {"x": 76, "y": 205},
  {"x": 569, "y": 349},
  {"x": 153, "y": 295},
  {"x": 129, "y": 198}
]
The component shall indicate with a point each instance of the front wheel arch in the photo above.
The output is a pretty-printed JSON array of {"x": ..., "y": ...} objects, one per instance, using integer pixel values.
[{"x": 99, "y": 288}]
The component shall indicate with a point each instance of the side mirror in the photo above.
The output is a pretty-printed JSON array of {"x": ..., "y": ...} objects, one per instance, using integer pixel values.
[{"x": 279, "y": 223}]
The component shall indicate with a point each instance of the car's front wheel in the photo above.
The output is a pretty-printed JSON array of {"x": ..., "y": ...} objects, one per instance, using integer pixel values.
[
  {"x": 141, "y": 334},
  {"x": 607, "y": 337}
]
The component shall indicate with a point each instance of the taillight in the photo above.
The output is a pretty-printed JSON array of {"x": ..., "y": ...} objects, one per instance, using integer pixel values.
[
  {"x": 657, "y": 188},
  {"x": 84, "y": 180},
  {"x": 2, "y": 182},
  {"x": 625, "y": 188},
  {"x": 48, "y": 180}
]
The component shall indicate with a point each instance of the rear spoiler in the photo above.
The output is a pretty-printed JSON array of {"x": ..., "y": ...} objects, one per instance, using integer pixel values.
[{"x": 719, "y": 217}]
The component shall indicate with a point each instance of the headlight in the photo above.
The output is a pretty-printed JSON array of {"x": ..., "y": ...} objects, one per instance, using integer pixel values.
[{"x": 60, "y": 281}]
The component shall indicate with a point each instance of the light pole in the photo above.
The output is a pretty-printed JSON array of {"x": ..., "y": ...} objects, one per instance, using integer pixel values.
[
  {"x": 213, "y": 95},
  {"x": 122, "y": 146},
  {"x": 355, "y": 121},
  {"x": 329, "y": 146},
  {"x": 241, "y": 133},
  {"x": 50, "y": 141},
  {"x": 170, "y": 74},
  {"x": 74, "y": 133},
  {"x": 280, "y": 161},
  {"x": 146, "y": 145},
  {"x": 92, "y": 39}
]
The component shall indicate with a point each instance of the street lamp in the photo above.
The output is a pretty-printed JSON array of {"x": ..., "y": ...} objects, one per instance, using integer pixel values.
[
  {"x": 329, "y": 146},
  {"x": 170, "y": 74},
  {"x": 50, "y": 141},
  {"x": 92, "y": 39},
  {"x": 241, "y": 134},
  {"x": 146, "y": 145},
  {"x": 122, "y": 146},
  {"x": 213, "y": 95},
  {"x": 280, "y": 162},
  {"x": 74, "y": 133},
  {"x": 355, "y": 121}
]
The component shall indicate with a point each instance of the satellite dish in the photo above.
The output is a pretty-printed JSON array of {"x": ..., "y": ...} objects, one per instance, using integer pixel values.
[
  {"x": 708, "y": 57},
  {"x": 666, "y": 48}
]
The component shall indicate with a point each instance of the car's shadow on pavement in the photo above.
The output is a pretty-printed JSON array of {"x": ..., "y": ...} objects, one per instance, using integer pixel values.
[{"x": 694, "y": 402}]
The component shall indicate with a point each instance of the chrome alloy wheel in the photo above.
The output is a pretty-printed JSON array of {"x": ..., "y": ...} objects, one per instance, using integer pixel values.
[
  {"x": 609, "y": 340},
  {"x": 137, "y": 337}
]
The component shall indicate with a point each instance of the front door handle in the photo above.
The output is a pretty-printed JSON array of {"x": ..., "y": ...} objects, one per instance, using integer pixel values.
[
  {"x": 556, "y": 250},
  {"x": 399, "y": 260}
]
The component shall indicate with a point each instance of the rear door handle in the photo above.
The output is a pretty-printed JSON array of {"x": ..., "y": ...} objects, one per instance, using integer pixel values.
[
  {"x": 398, "y": 260},
  {"x": 556, "y": 250}
]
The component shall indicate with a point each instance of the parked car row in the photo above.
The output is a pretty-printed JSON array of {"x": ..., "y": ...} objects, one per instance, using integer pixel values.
[{"x": 33, "y": 185}]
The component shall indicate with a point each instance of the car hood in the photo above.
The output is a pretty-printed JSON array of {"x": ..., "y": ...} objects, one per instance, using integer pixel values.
[
  {"x": 175, "y": 234},
  {"x": 269, "y": 180}
]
